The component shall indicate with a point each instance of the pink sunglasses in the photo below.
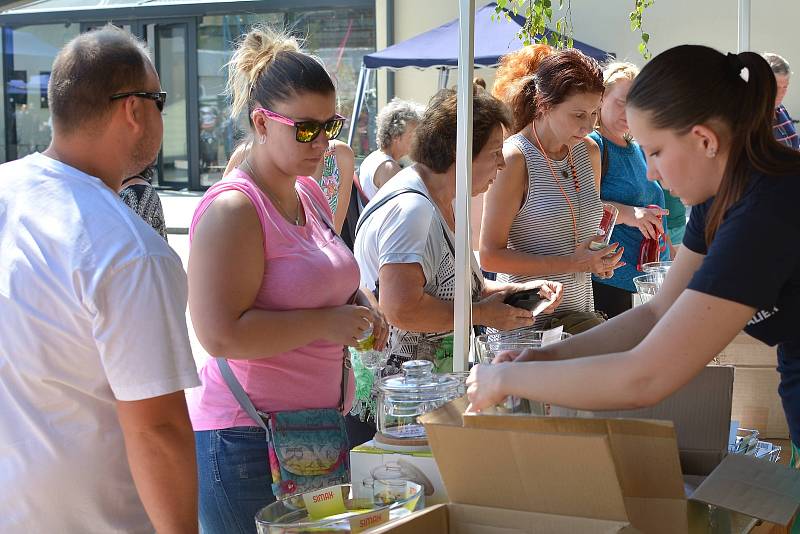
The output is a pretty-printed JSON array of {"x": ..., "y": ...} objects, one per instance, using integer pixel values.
[{"x": 307, "y": 131}]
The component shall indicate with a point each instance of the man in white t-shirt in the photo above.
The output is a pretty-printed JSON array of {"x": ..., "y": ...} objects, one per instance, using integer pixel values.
[{"x": 94, "y": 350}]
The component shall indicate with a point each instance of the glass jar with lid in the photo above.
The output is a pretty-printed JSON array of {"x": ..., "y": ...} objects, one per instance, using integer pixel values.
[{"x": 403, "y": 398}]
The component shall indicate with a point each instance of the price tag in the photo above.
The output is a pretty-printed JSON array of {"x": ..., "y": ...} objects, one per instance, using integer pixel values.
[
  {"x": 362, "y": 522},
  {"x": 324, "y": 503},
  {"x": 552, "y": 336}
]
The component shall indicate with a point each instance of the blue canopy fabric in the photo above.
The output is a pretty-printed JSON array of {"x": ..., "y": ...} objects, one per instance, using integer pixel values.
[{"x": 439, "y": 47}]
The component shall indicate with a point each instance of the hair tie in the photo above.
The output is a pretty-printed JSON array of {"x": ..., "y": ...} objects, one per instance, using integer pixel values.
[{"x": 738, "y": 67}]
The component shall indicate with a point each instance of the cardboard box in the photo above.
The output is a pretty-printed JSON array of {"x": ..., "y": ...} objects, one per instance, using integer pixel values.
[
  {"x": 514, "y": 474},
  {"x": 368, "y": 462},
  {"x": 756, "y": 403},
  {"x": 701, "y": 413},
  {"x": 746, "y": 351}
]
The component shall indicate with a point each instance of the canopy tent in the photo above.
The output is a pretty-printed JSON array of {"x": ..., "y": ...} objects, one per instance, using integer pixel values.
[
  {"x": 467, "y": 31},
  {"x": 439, "y": 48}
]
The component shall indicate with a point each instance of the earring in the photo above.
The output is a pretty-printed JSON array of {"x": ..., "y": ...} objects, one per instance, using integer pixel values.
[
  {"x": 262, "y": 139},
  {"x": 712, "y": 153}
]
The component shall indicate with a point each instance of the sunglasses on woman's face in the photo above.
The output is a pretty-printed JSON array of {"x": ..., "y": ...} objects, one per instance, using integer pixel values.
[
  {"x": 160, "y": 98},
  {"x": 307, "y": 131}
]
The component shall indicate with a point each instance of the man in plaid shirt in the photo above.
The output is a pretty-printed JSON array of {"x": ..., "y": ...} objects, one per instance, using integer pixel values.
[{"x": 783, "y": 127}]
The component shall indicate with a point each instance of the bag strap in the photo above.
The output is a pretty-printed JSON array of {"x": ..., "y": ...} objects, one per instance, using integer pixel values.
[
  {"x": 603, "y": 158},
  {"x": 323, "y": 216},
  {"x": 238, "y": 392},
  {"x": 247, "y": 405},
  {"x": 372, "y": 209},
  {"x": 346, "y": 364}
]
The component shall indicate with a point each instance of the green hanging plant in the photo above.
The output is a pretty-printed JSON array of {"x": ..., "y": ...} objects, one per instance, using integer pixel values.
[
  {"x": 636, "y": 17},
  {"x": 539, "y": 15}
]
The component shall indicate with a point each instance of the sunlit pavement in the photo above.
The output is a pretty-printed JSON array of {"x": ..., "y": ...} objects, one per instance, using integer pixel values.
[{"x": 178, "y": 209}]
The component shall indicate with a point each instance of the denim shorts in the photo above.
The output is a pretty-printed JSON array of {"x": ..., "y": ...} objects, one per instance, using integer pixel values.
[{"x": 234, "y": 479}]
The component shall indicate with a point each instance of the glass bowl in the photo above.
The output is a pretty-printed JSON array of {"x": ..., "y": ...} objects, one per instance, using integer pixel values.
[
  {"x": 487, "y": 346},
  {"x": 403, "y": 398},
  {"x": 386, "y": 500},
  {"x": 656, "y": 266},
  {"x": 648, "y": 284}
]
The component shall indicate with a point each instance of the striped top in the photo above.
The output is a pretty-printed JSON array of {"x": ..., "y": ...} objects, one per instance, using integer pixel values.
[
  {"x": 543, "y": 225},
  {"x": 783, "y": 127}
]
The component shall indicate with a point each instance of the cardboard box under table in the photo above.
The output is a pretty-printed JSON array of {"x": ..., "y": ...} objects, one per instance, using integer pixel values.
[
  {"x": 516, "y": 474},
  {"x": 756, "y": 403}
]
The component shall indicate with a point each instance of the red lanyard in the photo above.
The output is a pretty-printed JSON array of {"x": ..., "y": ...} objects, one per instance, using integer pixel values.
[{"x": 553, "y": 172}]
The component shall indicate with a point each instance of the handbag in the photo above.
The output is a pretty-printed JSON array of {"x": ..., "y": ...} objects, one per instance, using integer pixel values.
[
  {"x": 650, "y": 249},
  {"x": 308, "y": 449},
  {"x": 574, "y": 322}
]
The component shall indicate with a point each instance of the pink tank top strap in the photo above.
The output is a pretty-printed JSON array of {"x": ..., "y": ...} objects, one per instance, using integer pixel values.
[
  {"x": 311, "y": 188},
  {"x": 235, "y": 181}
]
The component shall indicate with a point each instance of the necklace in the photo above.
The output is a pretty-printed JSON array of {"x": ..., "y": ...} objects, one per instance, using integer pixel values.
[
  {"x": 570, "y": 161},
  {"x": 276, "y": 200},
  {"x": 558, "y": 183}
]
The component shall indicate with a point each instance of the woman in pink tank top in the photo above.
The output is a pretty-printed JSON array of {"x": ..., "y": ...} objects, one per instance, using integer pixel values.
[{"x": 270, "y": 283}]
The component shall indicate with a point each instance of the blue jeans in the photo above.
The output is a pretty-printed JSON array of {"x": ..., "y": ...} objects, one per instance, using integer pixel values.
[
  {"x": 234, "y": 479},
  {"x": 789, "y": 388}
]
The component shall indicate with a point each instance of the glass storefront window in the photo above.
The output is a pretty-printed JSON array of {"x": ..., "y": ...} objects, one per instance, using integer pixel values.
[
  {"x": 168, "y": 41},
  {"x": 339, "y": 36},
  {"x": 29, "y": 52},
  {"x": 219, "y": 133}
]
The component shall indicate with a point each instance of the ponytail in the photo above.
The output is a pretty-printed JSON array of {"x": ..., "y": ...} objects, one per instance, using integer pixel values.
[
  {"x": 753, "y": 144},
  {"x": 522, "y": 101},
  {"x": 269, "y": 66},
  {"x": 536, "y": 78},
  {"x": 674, "y": 89},
  {"x": 518, "y": 64}
]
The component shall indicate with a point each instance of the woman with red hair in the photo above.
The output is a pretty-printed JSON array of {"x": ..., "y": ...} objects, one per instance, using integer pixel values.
[{"x": 544, "y": 208}]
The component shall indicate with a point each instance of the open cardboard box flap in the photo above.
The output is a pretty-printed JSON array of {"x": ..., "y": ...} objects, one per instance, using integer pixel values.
[
  {"x": 761, "y": 489},
  {"x": 701, "y": 412},
  {"x": 616, "y": 470}
]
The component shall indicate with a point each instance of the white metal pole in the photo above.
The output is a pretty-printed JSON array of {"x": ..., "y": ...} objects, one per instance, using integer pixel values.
[
  {"x": 744, "y": 26},
  {"x": 361, "y": 88},
  {"x": 444, "y": 77},
  {"x": 462, "y": 320}
]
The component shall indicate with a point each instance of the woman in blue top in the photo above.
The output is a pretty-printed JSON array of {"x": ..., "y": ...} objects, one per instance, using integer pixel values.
[
  {"x": 704, "y": 121},
  {"x": 624, "y": 183}
]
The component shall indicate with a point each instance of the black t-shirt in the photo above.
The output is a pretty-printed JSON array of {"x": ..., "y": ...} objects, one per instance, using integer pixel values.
[{"x": 754, "y": 258}]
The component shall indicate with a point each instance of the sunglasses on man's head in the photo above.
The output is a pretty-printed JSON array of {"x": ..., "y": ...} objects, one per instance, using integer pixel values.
[
  {"x": 160, "y": 98},
  {"x": 307, "y": 131}
]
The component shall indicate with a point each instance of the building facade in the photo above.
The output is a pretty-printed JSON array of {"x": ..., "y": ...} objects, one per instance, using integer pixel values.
[
  {"x": 192, "y": 41},
  {"x": 605, "y": 25}
]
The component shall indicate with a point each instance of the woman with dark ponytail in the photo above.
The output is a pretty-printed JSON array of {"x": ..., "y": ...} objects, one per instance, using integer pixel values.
[{"x": 704, "y": 120}]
